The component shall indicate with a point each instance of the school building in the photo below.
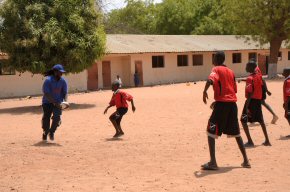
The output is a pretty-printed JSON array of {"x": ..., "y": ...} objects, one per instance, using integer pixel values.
[{"x": 158, "y": 59}]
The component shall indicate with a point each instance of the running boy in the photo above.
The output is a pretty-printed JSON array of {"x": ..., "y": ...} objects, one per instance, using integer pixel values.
[
  {"x": 252, "y": 111},
  {"x": 286, "y": 91},
  {"x": 119, "y": 99},
  {"x": 224, "y": 118}
]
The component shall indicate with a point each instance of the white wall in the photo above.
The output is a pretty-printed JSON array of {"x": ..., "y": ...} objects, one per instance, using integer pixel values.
[
  {"x": 28, "y": 84},
  {"x": 120, "y": 65}
]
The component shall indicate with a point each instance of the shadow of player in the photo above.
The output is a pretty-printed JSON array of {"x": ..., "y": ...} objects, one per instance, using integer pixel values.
[
  {"x": 284, "y": 138},
  {"x": 46, "y": 144},
  {"x": 221, "y": 170},
  {"x": 114, "y": 139},
  {"x": 38, "y": 109}
]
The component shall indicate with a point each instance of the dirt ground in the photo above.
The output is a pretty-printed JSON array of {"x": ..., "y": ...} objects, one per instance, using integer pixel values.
[{"x": 162, "y": 150}]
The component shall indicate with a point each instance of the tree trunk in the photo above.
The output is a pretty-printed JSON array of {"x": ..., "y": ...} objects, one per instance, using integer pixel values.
[{"x": 275, "y": 45}]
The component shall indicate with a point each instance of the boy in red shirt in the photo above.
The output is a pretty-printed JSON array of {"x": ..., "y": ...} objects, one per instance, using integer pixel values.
[
  {"x": 119, "y": 99},
  {"x": 286, "y": 93},
  {"x": 224, "y": 118},
  {"x": 252, "y": 111}
]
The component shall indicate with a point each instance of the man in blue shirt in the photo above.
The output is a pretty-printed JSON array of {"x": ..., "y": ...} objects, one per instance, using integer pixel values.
[{"x": 54, "y": 92}]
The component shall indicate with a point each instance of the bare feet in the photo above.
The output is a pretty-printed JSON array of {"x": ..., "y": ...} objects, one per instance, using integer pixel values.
[
  {"x": 275, "y": 119},
  {"x": 249, "y": 145},
  {"x": 246, "y": 164},
  {"x": 267, "y": 143}
]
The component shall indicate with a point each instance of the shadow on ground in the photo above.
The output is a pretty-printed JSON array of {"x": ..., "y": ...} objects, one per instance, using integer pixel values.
[
  {"x": 284, "y": 138},
  {"x": 46, "y": 144},
  {"x": 203, "y": 173},
  {"x": 38, "y": 109},
  {"x": 114, "y": 139}
]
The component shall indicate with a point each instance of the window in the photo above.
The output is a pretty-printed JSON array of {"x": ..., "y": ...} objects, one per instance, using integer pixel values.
[
  {"x": 197, "y": 60},
  {"x": 6, "y": 71},
  {"x": 253, "y": 56},
  {"x": 237, "y": 58},
  {"x": 280, "y": 56},
  {"x": 182, "y": 60},
  {"x": 289, "y": 55},
  {"x": 157, "y": 61}
]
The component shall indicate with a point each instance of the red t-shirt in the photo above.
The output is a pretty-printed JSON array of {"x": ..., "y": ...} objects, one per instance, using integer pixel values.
[
  {"x": 254, "y": 85},
  {"x": 258, "y": 71},
  {"x": 120, "y": 98},
  {"x": 286, "y": 89},
  {"x": 224, "y": 84}
]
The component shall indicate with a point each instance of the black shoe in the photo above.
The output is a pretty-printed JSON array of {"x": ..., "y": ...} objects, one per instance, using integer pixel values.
[
  {"x": 44, "y": 137},
  {"x": 51, "y": 136}
]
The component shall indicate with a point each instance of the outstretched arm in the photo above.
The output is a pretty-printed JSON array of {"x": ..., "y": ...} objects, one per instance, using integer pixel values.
[
  {"x": 207, "y": 85},
  {"x": 266, "y": 88},
  {"x": 106, "y": 110},
  {"x": 133, "y": 105}
]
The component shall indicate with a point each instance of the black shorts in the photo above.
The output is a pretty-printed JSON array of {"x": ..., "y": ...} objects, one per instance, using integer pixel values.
[
  {"x": 118, "y": 115},
  {"x": 224, "y": 120},
  {"x": 287, "y": 113},
  {"x": 253, "y": 113}
]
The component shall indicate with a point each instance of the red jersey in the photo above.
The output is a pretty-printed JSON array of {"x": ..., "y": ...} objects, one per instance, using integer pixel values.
[
  {"x": 224, "y": 84},
  {"x": 120, "y": 98},
  {"x": 258, "y": 71},
  {"x": 286, "y": 89},
  {"x": 254, "y": 85}
]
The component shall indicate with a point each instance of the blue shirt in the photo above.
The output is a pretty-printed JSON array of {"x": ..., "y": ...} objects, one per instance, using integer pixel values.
[{"x": 57, "y": 89}]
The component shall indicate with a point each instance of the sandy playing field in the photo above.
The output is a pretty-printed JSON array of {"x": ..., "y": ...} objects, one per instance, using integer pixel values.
[{"x": 162, "y": 150}]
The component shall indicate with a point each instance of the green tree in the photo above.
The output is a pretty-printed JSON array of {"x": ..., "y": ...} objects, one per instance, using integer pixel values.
[
  {"x": 175, "y": 17},
  {"x": 138, "y": 17},
  {"x": 212, "y": 18},
  {"x": 267, "y": 21},
  {"x": 36, "y": 34}
]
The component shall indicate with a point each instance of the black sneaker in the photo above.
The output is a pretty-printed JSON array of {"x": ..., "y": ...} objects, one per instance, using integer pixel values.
[
  {"x": 51, "y": 136},
  {"x": 44, "y": 137}
]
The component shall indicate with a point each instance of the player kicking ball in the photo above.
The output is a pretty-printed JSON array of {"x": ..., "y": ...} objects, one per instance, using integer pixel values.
[{"x": 119, "y": 99}]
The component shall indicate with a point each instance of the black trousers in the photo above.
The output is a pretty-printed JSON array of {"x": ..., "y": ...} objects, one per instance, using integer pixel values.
[{"x": 48, "y": 111}]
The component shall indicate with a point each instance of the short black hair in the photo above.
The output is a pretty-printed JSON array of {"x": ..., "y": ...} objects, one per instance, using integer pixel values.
[
  {"x": 116, "y": 83},
  {"x": 286, "y": 70},
  {"x": 219, "y": 58},
  {"x": 252, "y": 64}
]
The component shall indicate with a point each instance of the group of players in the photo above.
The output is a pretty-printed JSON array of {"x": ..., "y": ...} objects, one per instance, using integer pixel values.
[{"x": 223, "y": 120}]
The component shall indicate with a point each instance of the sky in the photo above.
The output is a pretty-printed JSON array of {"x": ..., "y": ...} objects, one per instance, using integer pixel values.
[{"x": 116, "y": 4}]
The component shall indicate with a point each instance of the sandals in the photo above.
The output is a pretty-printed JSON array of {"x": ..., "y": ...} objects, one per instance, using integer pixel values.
[
  {"x": 209, "y": 167},
  {"x": 246, "y": 165}
]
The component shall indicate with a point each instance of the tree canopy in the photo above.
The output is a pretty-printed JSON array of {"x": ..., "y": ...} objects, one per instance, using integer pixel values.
[
  {"x": 267, "y": 21},
  {"x": 37, "y": 34},
  {"x": 170, "y": 17},
  {"x": 137, "y": 17}
]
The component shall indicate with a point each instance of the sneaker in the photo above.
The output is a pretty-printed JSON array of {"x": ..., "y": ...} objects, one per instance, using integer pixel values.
[
  {"x": 44, "y": 137},
  {"x": 51, "y": 136}
]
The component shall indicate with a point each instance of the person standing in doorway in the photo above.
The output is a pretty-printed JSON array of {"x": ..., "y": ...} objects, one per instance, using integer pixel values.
[
  {"x": 55, "y": 91},
  {"x": 119, "y": 80},
  {"x": 136, "y": 79}
]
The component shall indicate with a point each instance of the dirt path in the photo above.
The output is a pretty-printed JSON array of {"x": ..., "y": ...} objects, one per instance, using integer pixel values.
[{"x": 162, "y": 150}]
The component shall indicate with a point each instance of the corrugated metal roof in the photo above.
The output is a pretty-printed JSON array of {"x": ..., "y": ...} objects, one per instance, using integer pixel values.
[{"x": 130, "y": 44}]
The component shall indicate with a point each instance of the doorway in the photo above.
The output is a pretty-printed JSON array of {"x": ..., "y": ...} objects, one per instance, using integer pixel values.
[
  {"x": 106, "y": 68},
  {"x": 139, "y": 70},
  {"x": 92, "y": 83}
]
